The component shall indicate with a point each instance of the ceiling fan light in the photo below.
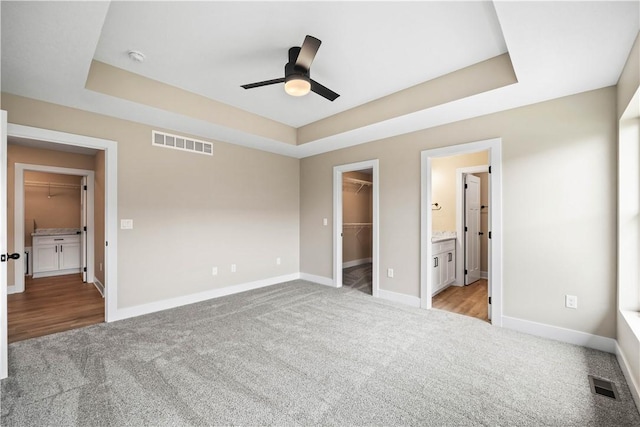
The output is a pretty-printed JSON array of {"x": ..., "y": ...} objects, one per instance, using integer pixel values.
[{"x": 297, "y": 86}]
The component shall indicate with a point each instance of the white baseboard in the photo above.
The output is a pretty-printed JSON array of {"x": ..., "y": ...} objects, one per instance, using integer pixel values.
[
  {"x": 560, "y": 334},
  {"x": 401, "y": 298},
  {"x": 99, "y": 286},
  {"x": 634, "y": 387},
  {"x": 12, "y": 290},
  {"x": 356, "y": 262},
  {"x": 321, "y": 280},
  {"x": 484, "y": 274},
  {"x": 139, "y": 310}
]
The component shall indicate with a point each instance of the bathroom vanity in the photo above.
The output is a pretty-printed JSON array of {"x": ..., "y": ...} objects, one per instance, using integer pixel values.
[
  {"x": 443, "y": 258},
  {"x": 56, "y": 252}
]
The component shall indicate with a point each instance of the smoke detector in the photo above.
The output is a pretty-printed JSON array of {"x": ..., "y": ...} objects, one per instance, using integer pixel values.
[{"x": 136, "y": 56}]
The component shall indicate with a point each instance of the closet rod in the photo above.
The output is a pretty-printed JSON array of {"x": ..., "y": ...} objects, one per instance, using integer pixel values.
[{"x": 50, "y": 184}]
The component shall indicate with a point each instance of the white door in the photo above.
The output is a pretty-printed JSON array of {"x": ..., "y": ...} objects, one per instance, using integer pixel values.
[
  {"x": 472, "y": 228},
  {"x": 3, "y": 246},
  {"x": 83, "y": 228}
]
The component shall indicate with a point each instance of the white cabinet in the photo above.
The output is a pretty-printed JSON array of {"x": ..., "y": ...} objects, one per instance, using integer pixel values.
[
  {"x": 444, "y": 265},
  {"x": 56, "y": 255}
]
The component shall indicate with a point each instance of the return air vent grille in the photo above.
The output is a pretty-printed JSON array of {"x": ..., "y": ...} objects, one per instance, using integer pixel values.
[{"x": 177, "y": 142}]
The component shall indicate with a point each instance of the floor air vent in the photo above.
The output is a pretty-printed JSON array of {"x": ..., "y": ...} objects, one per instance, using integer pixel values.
[
  {"x": 176, "y": 142},
  {"x": 603, "y": 387}
]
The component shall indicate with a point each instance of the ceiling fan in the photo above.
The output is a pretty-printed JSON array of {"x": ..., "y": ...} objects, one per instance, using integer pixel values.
[{"x": 297, "y": 80}]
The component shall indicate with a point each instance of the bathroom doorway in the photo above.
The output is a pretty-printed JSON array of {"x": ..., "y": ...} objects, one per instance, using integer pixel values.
[{"x": 447, "y": 256}]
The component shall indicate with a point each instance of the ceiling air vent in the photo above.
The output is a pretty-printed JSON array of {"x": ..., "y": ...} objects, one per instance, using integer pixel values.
[{"x": 183, "y": 143}]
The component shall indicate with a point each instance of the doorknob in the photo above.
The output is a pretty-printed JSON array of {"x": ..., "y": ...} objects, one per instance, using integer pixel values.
[{"x": 5, "y": 258}]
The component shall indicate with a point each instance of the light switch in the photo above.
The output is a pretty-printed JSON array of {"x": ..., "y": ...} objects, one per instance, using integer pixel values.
[
  {"x": 126, "y": 224},
  {"x": 324, "y": 221}
]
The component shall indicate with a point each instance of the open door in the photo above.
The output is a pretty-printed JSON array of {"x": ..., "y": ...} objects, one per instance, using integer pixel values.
[
  {"x": 3, "y": 246},
  {"x": 83, "y": 228},
  {"x": 472, "y": 228}
]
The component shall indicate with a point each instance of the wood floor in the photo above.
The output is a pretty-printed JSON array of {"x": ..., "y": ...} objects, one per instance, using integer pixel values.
[
  {"x": 53, "y": 304},
  {"x": 469, "y": 300}
]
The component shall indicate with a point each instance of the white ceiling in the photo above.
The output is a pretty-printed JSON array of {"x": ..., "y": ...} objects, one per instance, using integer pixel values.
[{"x": 369, "y": 50}]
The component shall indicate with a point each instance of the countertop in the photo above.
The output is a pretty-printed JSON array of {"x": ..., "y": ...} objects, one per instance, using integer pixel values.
[
  {"x": 55, "y": 231},
  {"x": 441, "y": 236}
]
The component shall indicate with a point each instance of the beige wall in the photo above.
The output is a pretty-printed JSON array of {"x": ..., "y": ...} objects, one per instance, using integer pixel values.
[
  {"x": 36, "y": 156},
  {"x": 443, "y": 186},
  {"x": 98, "y": 209},
  {"x": 357, "y": 207},
  {"x": 58, "y": 207},
  {"x": 190, "y": 212},
  {"x": 558, "y": 235}
]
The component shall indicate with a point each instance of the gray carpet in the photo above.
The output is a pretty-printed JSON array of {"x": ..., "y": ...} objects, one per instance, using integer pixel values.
[
  {"x": 305, "y": 354},
  {"x": 358, "y": 278}
]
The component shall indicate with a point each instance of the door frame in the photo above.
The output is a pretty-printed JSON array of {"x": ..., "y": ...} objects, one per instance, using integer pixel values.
[
  {"x": 4, "y": 342},
  {"x": 337, "y": 221},
  {"x": 111, "y": 216},
  {"x": 460, "y": 173},
  {"x": 18, "y": 217},
  {"x": 494, "y": 148}
]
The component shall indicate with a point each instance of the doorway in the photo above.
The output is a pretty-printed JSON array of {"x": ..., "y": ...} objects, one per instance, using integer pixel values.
[
  {"x": 69, "y": 142},
  {"x": 442, "y": 225},
  {"x": 355, "y": 218}
]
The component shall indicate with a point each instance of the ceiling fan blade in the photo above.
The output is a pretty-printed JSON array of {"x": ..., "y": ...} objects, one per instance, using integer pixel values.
[
  {"x": 264, "y": 83},
  {"x": 323, "y": 91},
  {"x": 308, "y": 51}
]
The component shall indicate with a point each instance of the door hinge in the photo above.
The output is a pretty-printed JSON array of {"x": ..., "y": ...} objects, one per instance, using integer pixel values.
[
  {"x": 106, "y": 243},
  {"x": 465, "y": 228},
  {"x": 489, "y": 300},
  {"x": 465, "y": 271},
  {"x": 489, "y": 169},
  {"x": 466, "y": 186},
  {"x": 489, "y": 234},
  {"x": 85, "y": 187},
  {"x": 85, "y": 228},
  {"x": 84, "y": 269}
]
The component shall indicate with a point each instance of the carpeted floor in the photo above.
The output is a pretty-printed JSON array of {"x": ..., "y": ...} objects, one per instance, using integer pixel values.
[
  {"x": 305, "y": 354},
  {"x": 358, "y": 278}
]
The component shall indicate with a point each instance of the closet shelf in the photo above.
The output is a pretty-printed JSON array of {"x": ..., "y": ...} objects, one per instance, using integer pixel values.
[
  {"x": 51, "y": 184},
  {"x": 358, "y": 225},
  {"x": 361, "y": 182}
]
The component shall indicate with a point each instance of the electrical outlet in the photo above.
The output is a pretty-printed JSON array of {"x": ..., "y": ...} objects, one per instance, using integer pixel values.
[
  {"x": 390, "y": 272},
  {"x": 214, "y": 271},
  {"x": 233, "y": 268},
  {"x": 100, "y": 266},
  {"x": 278, "y": 261},
  {"x": 571, "y": 301},
  {"x": 324, "y": 221},
  {"x": 126, "y": 224}
]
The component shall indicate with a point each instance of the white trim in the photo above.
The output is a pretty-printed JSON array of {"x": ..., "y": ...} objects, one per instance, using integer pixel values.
[
  {"x": 326, "y": 281},
  {"x": 484, "y": 275},
  {"x": 356, "y": 262},
  {"x": 494, "y": 146},
  {"x": 633, "y": 384},
  {"x": 337, "y": 221},
  {"x": 401, "y": 298},
  {"x": 557, "y": 333},
  {"x": 111, "y": 197},
  {"x": 139, "y": 310},
  {"x": 460, "y": 243},
  {"x": 99, "y": 286},
  {"x": 18, "y": 218}
]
